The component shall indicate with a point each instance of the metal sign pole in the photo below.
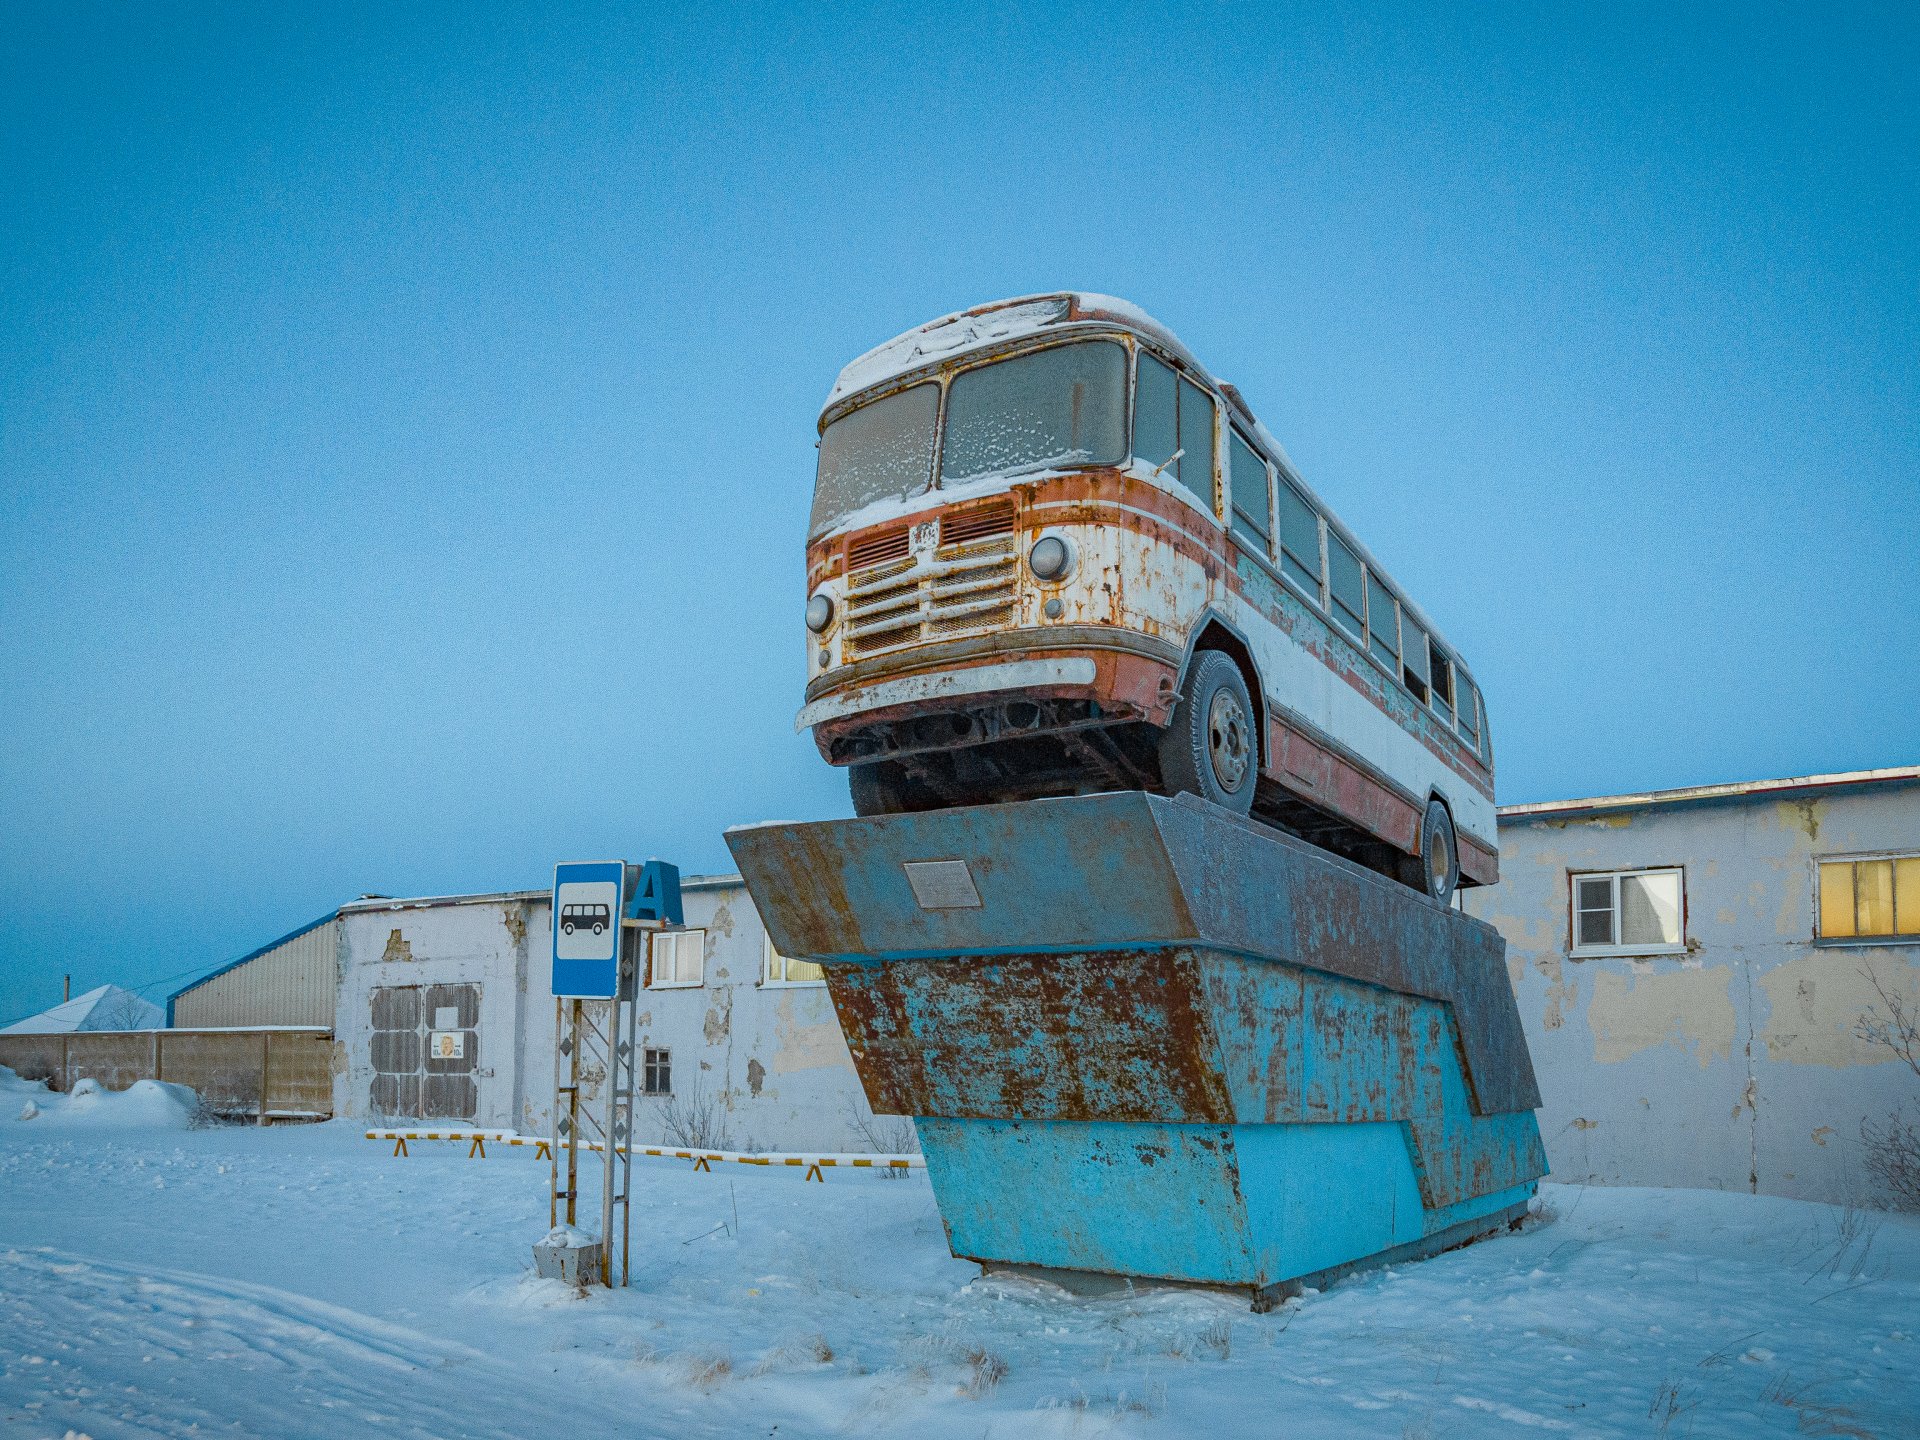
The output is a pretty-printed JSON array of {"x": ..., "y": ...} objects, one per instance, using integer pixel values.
[
  {"x": 609, "y": 1136},
  {"x": 572, "y": 1047},
  {"x": 626, "y": 1154},
  {"x": 553, "y": 1121}
]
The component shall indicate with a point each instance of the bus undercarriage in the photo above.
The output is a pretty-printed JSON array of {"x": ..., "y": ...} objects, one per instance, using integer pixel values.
[{"x": 1022, "y": 749}]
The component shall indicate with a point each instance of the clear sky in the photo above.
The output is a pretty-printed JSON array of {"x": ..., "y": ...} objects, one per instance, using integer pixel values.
[{"x": 407, "y": 412}]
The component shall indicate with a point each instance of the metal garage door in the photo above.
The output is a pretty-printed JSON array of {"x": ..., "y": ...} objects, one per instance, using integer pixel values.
[{"x": 426, "y": 1048}]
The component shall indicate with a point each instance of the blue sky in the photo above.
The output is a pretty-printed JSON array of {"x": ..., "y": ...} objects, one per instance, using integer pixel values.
[{"x": 406, "y": 412}]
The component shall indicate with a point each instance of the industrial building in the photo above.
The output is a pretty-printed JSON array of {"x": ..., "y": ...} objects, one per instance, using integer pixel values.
[
  {"x": 444, "y": 1013},
  {"x": 1692, "y": 967},
  {"x": 289, "y": 981}
]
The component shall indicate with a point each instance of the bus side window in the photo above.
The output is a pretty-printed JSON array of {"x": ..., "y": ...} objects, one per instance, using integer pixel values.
[
  {"x": 1156, "y": 430},
  {"x": 1299, "y": 541},
  {"x": 1442, "y": 682},
  {"x": 1347, "y": 584},
  {"x": 1469, "y": 721},
  {"x": 1383, "y": 623},
  {"x": 1414, "y": 665},
  {"x": 1252, "y": 499},
  {"x": 1196, "y": 439}
]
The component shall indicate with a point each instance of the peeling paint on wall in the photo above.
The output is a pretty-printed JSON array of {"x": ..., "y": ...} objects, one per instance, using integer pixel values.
[
  {"x": 719, "y": 1016},
  {"x": 1818, "y": 999},
  {"x": 397, "y": 949},
  {"x": 1689, "y": 1009},
  {"x": 806, "y": 1047}
]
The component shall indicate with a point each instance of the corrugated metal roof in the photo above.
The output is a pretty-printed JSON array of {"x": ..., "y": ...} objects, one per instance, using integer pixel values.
[
  {"x": 250, "y": 955},
  {"x": 1646, "y": 799}
]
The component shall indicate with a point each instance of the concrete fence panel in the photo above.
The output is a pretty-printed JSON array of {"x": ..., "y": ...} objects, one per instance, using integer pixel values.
[{"x": 264, "y": 1074}]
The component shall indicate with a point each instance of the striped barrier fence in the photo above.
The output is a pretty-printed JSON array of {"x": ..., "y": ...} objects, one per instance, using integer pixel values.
[{"x": 702, "y": 1159}]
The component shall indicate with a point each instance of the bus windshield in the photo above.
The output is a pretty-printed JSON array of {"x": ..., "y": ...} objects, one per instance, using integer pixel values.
[
  {"x": 1062, "y": 406},
  {"x": 882, "y": 451}
]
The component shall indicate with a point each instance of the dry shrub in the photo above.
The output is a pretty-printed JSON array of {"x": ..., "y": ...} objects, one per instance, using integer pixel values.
[{"x": 1893, "y": 1145}]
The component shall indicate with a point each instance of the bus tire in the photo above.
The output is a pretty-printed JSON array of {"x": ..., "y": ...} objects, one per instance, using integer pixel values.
[
  {"x": 1210, "y": 747},
  {"x": 1435, "y": 871}
]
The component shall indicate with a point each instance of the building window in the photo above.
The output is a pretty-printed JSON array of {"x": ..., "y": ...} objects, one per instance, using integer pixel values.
[
  {"x": 679, "y": 959},
  {"x": 1629, "y": 912},
  {"x": 1872, "y": 898},
  {"x": 782, "y": 971},
  {"x": 656, "y": 1072}
]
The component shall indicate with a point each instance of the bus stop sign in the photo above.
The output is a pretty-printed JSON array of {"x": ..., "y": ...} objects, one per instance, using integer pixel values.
[{"x": 586, "y": 928}]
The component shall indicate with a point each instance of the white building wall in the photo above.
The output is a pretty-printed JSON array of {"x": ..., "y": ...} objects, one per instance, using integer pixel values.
[
  {"x": 482, "y": 940},
  {"x": 754, "y": 1065},
  {"x": 1735, "y": 1065}
]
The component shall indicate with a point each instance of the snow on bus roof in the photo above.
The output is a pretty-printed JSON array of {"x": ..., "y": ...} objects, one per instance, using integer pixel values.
[
  {"x": 1003, "y": 321},
  {"x": 992, "y": 324}
]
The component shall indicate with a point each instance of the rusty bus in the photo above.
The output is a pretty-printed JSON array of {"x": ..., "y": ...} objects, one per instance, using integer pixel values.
[{"x": 1049, "y": 554}]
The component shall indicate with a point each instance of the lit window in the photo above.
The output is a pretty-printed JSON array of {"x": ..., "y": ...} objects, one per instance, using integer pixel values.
[
  {"x": 782, "y": 971},
  {"x": 679, "y": 959},
  {"x": 656, "y": 1072},
  {"x": 1875, "y": 898},
  {"x": 1629, "y": 912}
]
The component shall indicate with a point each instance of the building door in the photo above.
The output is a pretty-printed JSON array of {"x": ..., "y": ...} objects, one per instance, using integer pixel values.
[{"x": 426, "y": 1048}]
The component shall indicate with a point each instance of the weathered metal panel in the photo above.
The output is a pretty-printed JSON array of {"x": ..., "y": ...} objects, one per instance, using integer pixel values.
[
  {"x": 1102, "y": 872},
  {"x": 1149, "y": 1038}
]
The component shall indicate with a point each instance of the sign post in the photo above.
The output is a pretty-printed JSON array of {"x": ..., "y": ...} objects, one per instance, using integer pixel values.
[{"x": 602, "y": 910}]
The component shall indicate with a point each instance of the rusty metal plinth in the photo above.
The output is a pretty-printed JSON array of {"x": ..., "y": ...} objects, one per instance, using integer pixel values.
[{"x": 1142, "y": 1037}]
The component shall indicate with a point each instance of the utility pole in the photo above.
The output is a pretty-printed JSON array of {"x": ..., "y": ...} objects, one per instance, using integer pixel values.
[{"x": 66, "y": 988}]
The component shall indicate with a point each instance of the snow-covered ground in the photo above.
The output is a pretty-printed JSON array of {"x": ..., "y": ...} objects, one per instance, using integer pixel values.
[{"x": 301, "y": 1281}]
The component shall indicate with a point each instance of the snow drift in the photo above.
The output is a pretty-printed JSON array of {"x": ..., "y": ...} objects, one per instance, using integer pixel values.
[{"x": 145, "y": 1104}]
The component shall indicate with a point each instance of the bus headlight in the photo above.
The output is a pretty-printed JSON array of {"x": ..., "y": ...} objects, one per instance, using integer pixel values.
[
  {"x": 819, "y": 613},
  {"x": 1050, "y": 558}
]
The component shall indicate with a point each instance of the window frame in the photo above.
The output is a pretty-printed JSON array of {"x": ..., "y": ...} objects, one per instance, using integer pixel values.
[
  {"x": 650, "y": 1066},
  {"x": 768, "y": 955},
  {"x": 1246, "y": 537},
  {"x": 679, "y": 938},
  {"x": 1578, "y": 951},
  {"x": 1853, "y": 860}
]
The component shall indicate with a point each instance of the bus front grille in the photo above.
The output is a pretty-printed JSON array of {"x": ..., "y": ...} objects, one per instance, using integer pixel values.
[{"x": 970, "y": 587}]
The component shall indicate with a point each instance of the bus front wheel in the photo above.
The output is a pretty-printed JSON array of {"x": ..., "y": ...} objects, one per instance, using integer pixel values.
[
  {"x": 1210, "y": 747},
  {"x": 883, "y": 788}
]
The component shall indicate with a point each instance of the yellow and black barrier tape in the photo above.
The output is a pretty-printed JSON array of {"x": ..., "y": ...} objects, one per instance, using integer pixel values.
[{"x": 478, "y": 1140}]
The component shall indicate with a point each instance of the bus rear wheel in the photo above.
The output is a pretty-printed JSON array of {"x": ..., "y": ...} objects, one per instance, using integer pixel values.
[
  {"x": 1210, "y": 748},
  {"x": 1435, "y": 871}
]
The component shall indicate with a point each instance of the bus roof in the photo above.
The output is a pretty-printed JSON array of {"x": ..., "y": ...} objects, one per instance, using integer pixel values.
[{"x": 1004, "y": 322}]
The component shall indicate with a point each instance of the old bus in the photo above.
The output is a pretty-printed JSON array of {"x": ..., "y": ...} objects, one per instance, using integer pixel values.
[{"x": 1050, "y": 554}]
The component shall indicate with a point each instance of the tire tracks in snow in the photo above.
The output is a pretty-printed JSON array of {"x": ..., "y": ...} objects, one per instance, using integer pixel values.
[{"x": 206, "y": 1351}]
